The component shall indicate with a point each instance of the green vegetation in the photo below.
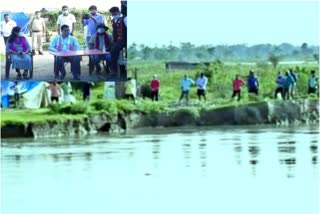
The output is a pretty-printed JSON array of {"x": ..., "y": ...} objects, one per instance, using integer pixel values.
[
  {"x": 220, "y": 77},
  {"x": 189, "y": 52}
]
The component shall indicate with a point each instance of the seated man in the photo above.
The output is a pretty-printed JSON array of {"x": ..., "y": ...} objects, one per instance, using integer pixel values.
[
  {"x": 102, "y": 41},
  {"x": 66, "y": 42},
  {"x": 18, "y": 48}
]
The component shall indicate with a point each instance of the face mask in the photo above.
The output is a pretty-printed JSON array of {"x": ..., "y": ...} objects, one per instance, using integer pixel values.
[
  {"x": 20, "y": 34},
  {"x": 115, "y": 16},
  {"x": 101, "y": 30},
  {"x": 65, "y": 12},
  {"x": 66, "y": 33},
  {"x": 92, "y": 13},
  {"x": 38, "y": 16}
]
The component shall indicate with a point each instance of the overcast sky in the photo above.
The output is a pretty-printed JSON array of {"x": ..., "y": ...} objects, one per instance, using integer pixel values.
[{"x": 228, "y": 22}]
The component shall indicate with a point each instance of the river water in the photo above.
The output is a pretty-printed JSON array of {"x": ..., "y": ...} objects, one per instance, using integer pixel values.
[{"x": 226, "y": 170}]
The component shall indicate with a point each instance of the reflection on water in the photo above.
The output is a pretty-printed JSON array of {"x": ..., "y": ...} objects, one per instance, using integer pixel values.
[{"x": 208, "y": 163}]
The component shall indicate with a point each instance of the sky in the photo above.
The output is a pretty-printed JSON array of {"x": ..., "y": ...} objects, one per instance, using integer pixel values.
[{"x": 157, "y": 23}]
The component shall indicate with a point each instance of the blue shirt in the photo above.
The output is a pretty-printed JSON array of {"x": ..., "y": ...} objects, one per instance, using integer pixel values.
[
  {"x": 186, "y": 83},
  {"x": 66, "y": 43},
  {"x": 91, "y": 25}
]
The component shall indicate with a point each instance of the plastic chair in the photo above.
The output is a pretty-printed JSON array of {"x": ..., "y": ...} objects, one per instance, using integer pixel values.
[{"x": 9, "y": 62}]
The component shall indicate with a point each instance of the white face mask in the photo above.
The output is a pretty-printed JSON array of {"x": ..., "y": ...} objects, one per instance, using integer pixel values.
[
  {"x": 38, "y": 16},
  {"x": 20, "y": 34},
  {"x": 115, "y": 16},
  {"x": 65, "y": 12},
  {"x": 101, "y": 30}
]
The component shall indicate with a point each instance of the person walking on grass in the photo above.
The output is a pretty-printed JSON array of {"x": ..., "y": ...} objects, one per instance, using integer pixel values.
[
  {"x": 155, "y": 85},
  {"x": 253, "y": 83},
  {"x": 280, "y": 86},
  {"x": 185, "y": 85},
  {"x": 130, "y": 89},
  {"x": 312, "y": 83},
  {"x": 295, "y": 79},
  {"x": 237, "y": 84},
  {"x": 201, "y": 83},
  {"x": 288, "y": 82}
]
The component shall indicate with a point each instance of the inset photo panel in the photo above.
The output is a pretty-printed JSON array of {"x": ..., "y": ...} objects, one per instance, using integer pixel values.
[{"x": 75, "y": 42}]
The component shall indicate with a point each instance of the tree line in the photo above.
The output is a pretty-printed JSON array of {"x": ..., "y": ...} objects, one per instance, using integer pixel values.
[{"x": 241, "y": 52}]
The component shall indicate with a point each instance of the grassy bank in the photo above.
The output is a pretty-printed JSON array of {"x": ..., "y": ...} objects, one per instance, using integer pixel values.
[
  {"x": 220, "y": 79},
  {"x": 218, "y": 96}
]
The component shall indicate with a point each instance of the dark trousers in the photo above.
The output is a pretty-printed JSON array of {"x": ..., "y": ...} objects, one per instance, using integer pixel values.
[
  {"x": 75, "y": 65},
  {"x": 5, "y": 38},
  {"x": 115, "y": 50},
  {"x": 312, "y": 90},
  {"x": 16, "y": 99},
  {"x": 254, "y": 90},
  {"x": 279, "y": 90},
  {"x": 286, "y": 93},
  {"x": 235, "y": 93},
  {"x": 155, "y": 95},
  {"x": 55, "y": 99}
]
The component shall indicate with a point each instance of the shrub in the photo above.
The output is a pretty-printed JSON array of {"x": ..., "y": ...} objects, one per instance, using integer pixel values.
[{"x": 76, "y": 108}]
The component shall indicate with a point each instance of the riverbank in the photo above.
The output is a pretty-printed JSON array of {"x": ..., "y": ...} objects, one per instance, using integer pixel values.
[{"x": 272, "y": 112}]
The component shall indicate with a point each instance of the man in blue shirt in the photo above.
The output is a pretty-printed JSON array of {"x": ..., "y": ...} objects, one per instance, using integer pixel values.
[
  {"x": 92, "y": 21},
  {"x": 185, "y": 84},
  {"x": 253, "y": 83},
  {"x": 65, "y": 42}
]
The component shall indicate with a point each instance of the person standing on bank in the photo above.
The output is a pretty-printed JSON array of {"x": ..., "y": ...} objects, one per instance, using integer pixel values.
[
  {"x": 312, "y": 83},
  {"x": 92, "y": 21},
  {"x": 37, "y": 29},
  {"x": 237, "y": 84},
  {"x": 185, "y": 85},
  {"x": 6, "y": 27},
  {"x": 155, "y": 85},
  {"x": 253, "y": 83},
  {"x": 119, "y": 33},
  {"x": 201, "y": 83},
  {"x": 66, "y": 18}
]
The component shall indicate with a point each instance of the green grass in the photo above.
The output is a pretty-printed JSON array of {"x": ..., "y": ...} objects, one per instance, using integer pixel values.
[
  {"x": 219, "y": 89},
  {"x": 218, "y": 93},
  {"x": 23, "y": 116}
]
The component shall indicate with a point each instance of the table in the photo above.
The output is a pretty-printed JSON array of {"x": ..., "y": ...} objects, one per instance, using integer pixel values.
[{"x": 73, "y": 53}]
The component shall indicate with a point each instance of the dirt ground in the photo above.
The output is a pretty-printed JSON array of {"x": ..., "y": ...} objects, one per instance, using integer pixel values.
[{"x": 43, "y": 70}]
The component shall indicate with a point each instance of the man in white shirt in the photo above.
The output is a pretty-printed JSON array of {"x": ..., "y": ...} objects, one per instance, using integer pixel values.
[
  {"x": 66, "y": 18},
  {"x": 201, "y": 83},
  {"x": 6, "y": 27}
]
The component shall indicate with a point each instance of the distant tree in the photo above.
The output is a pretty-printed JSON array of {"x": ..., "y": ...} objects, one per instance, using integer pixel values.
[
  {"x": 316, "y": 57},
  {"x": 274, "y": 59},
  {"x": 304, "y": 46}
]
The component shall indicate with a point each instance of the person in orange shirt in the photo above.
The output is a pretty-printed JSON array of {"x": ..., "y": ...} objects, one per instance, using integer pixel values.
[{"x": 237, "y": 84}]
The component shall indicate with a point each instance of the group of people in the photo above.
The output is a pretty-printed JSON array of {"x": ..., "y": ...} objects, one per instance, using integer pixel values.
[
  {"x": 285, "y": 85},
  {"x": 97, "y": 37}
]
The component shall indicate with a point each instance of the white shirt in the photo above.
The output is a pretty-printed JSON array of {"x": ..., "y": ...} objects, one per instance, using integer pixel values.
[
  {"x": 202, "y": 82},
  {"x": 6, "y": 27},
  {"x": 66, "y": 20}
]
